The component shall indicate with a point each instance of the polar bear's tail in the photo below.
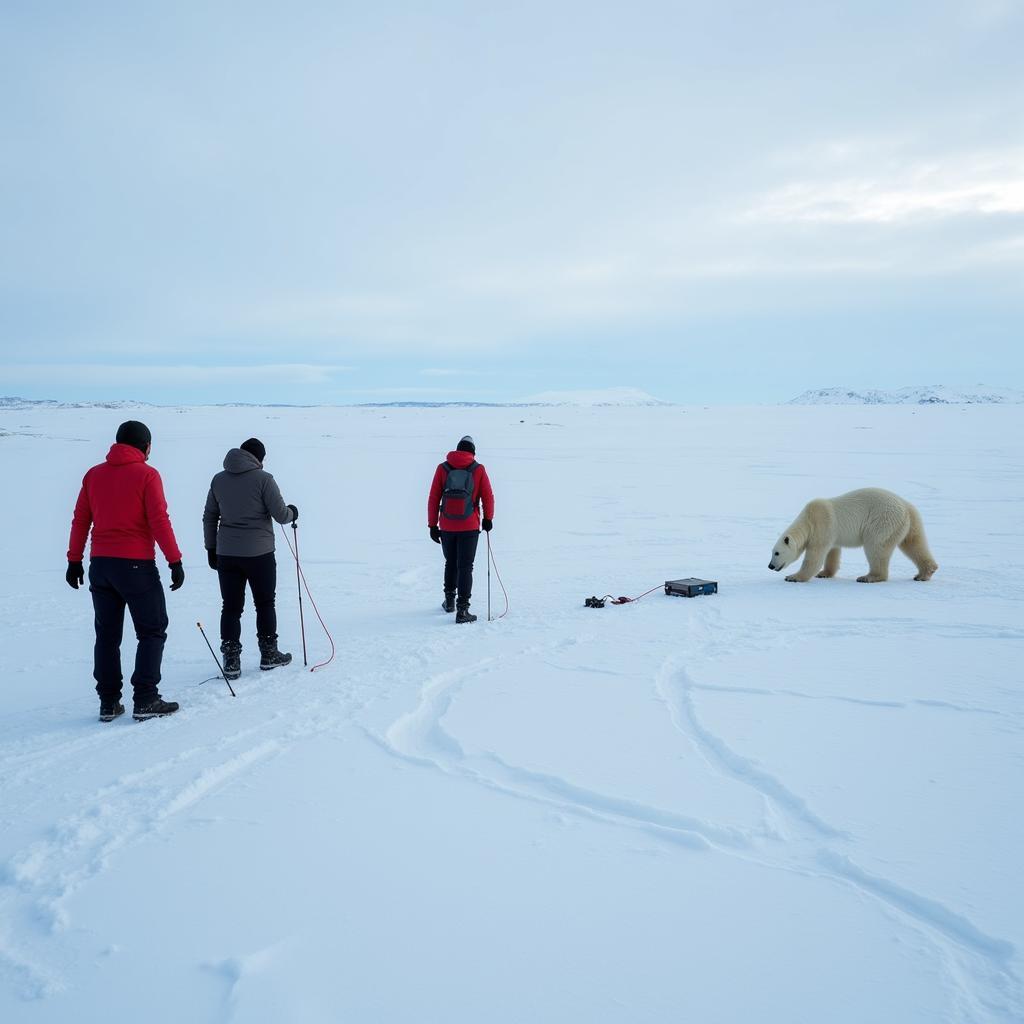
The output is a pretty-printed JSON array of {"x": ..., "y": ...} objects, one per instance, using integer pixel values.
[{"x": 915, "y": 546}]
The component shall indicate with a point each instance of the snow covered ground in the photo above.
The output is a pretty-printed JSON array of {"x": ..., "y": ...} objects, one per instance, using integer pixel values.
[{"x": 785, "y": 803}]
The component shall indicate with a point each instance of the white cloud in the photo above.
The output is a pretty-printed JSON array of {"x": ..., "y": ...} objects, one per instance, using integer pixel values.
[{"x": 893, "y": 191}]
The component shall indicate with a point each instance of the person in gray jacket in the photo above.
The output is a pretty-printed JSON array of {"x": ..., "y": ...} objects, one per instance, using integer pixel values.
[{"x": 239, "y": 538}]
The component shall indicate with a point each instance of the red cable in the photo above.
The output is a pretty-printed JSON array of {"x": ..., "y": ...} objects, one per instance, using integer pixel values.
[
  {"x": 305, "y": 586},
  {"x": 630, "y": 600}
]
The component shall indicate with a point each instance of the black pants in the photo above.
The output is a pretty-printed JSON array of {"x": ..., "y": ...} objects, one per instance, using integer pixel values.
[
  {"x": 260, "y": 572},
  {"x": 114, "y": 584},
  {"x": 459, "y": 547}
]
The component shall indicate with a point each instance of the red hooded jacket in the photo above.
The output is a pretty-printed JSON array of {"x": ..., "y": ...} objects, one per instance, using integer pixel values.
[
  {"x": 481, "y": 493},
  {"x": 123, "y": 501}
]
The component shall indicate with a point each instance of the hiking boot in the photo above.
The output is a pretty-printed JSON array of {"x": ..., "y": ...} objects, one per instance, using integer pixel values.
[
  {"x": 449, "y": 602},
  {"x": 154, "y": 709},
  {"x": 270, "y": 656},
  {"x": 232, "y": 651},
  {"x": 464, "y": 615},
  {"x": 108, "y": 712}
]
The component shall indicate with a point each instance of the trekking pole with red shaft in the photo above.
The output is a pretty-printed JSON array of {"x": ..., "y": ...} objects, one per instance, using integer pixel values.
[{"x": 298, "y": 586}]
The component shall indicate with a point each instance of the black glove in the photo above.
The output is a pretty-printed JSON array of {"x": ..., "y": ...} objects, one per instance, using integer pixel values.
[
  {"x": 211, "y": 558},
  {"x": 295, "y": 512},
  {"x": 75, "y": 575},
  {"x": 177, "y": 575},
  {"x": 488, "y": 525},
  {"x": 435, "y": 535}
]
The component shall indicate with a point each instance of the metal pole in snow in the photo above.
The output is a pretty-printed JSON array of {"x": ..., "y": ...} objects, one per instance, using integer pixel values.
[
  {"x": 220, "y": 667},
  {"x": 298, "y": 586}
]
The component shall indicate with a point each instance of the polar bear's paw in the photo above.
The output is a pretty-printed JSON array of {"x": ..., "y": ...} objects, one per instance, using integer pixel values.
[
  {"x": 797, "y": 578},
  {"x": 872, "y": 578},
  {"x": 925, "y": 574},
  {"x": 825, "y": 575}
]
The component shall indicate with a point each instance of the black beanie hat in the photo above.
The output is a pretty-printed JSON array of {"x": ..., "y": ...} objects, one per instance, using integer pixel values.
[
  {"x": 254, "y": 446},
  {"x": 134, "y": 433},
  {"x": 467, "y": 444}
]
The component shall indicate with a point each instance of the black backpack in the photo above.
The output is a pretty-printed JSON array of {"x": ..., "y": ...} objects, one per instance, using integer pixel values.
[{"x": 457, "y": 496}]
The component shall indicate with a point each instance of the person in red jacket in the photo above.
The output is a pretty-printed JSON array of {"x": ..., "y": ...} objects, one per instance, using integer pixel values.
[
  {"x": 122, "y": 499},
  {"x": 459, "y": 487}
]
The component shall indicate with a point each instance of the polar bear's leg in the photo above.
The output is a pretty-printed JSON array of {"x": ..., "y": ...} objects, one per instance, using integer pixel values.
[
  {"x": 831, "y": 564},
  {"x": 813, "y": 557},
  {"x": 915, "y": 547},
  {"x": 919, "y": 554},
  {"x": 879, "y": 553}
]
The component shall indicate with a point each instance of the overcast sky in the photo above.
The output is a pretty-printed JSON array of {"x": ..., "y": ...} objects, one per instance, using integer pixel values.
[{"x": 343, "y": 202}]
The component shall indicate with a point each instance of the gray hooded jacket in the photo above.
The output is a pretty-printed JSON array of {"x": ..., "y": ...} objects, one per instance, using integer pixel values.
[{"x": 242, "y": 501}]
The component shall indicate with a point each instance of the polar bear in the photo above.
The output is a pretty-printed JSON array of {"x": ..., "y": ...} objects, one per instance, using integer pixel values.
[{"x": 871, "y": 518}]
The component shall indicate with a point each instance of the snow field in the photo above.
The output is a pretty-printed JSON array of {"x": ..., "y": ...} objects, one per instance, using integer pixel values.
[{"x": 782, "y": 803}]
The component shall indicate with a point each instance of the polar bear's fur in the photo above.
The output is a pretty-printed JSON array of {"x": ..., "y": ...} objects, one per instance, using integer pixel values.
[{"x": 877, "y": 520}]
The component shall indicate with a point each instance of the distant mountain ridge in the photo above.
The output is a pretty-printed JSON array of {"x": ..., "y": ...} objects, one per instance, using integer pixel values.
[
  {"x": 933, "y": 394},
  {"x": 936, "y": 394},
  {"x": 13, "y": 402},
  {"x": 593, "y": 399},
  {"x": 604, "y": 398}
]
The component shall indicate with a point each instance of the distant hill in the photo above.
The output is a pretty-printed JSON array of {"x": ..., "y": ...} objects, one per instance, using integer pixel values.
[
  {"x": 13, "y": 402},
  {"x": 934, "y": 394},
  {"x": 442, "y": 405},
  {"x": 606, "y": 396}
]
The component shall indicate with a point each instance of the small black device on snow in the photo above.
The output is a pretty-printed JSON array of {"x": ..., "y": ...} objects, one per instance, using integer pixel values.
[{"x": 690, "y": 587}]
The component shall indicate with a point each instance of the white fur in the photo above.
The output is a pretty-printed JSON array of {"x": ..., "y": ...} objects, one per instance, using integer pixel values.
[{"x": 876, "y": 520}]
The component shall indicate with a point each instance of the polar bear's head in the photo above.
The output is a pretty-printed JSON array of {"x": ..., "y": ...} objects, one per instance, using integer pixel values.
[{"x": 787, "y": 549}]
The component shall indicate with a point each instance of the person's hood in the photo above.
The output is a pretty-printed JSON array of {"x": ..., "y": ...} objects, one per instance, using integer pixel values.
[
  {"x": 124, "y": 455},
  {"x": 239, "y": 461},
  {"x": 460, "y": 460}
]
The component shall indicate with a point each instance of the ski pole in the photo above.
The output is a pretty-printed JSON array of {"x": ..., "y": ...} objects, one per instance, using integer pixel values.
[
  {"x": 298, "y": 587},
  {"x": 497, "y": 576},
  {"x": 488, "y": 576},
  {"x": 220, "y": 667},
  {"x": 305, "y": 586}
]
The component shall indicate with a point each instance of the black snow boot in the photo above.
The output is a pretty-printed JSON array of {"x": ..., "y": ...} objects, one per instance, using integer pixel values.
[
  {"x": 449, "y": 602},
  {"x": 157, "y": 708},
  {"x": 270, "y": 656},
  {"x": 108, "y": 712},
  {"x": 232, "y": 651},
  {"x": 464, "y": 615}
]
